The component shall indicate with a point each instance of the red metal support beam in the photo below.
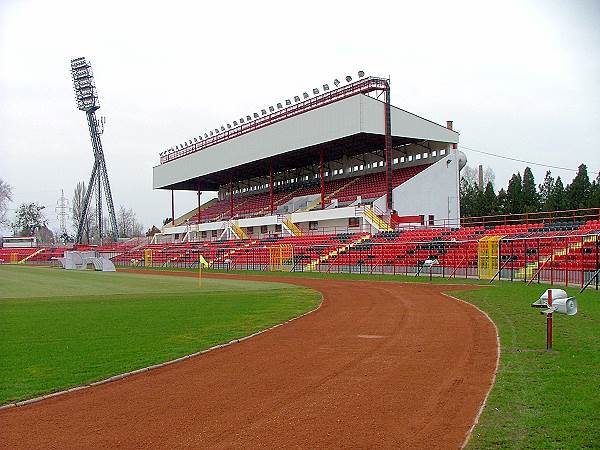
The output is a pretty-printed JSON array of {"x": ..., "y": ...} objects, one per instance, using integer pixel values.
[
  {"x": 231, "y": 198},
  {"x": 271, "y": 185},
  {"x": 172, "y": 207},
  {"x": 322, "y": 177},
  {"x": 388, "y": 145},
  {"x": 199, "y": 202}
]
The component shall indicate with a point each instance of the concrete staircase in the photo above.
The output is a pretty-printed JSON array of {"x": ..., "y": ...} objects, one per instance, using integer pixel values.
[
  {"x": 317, "y": 202},
  {"x": 375, "y": 220},
  {"x": 342, "y": 248},
  {"x": 532, "y": 267}
]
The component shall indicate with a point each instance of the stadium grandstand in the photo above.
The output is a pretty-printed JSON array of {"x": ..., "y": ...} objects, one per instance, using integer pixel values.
[
  {"x": 344, "y": 159},
  {"x": 343, "y": 181}
]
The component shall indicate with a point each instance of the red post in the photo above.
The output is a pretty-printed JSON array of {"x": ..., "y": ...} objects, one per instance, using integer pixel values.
[
  {"x": 231, "y": 198},
  {"x": 199, "y": 202},
  {"x": 552, "y": 264},
  {"x": 549, "y": 323},
  {"x": 173, "y": 207},
  {"x": 567, "y": 266},
  {"x": 271, "y": 185},
  {"x": 322, "y": 175},
  {"x": 581, "y": 264}
]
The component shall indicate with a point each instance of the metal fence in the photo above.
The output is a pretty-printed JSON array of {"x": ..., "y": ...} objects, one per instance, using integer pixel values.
[{"x": 566, "y": 260}]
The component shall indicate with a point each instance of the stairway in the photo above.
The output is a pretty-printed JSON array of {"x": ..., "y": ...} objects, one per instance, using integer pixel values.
[
  {"x": 291, "y": 226},
  {"x": 533, "y": 266},
  {"x": 317, "y": 202},
  {"x": 324, "y": 258},
  {"x": 375, "y": 220},
  {"x": 241, "y": 234},
  {"x": 41, "y": 250},
  {"x": 227, "y": 254},
  {"x": 281, "y": 201}
]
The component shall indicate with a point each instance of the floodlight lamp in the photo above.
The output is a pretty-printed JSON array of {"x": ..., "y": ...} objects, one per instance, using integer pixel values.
[
  {"x": 229, "y": 126},
  {"x": 205, "y": 135},
  {"x": 199, "y": 138},
  {"x": 211, "y": 133},
  {"x": 263, "y": 112},
  {"x": 279, "y": 105},
  {"x": 222, "y": 128},
  {"x": 248, "y": 118},
  {"x": 195, "y": 139},
  {"x": 216, "y": 131},
  {"x": 235, "y": 124},
  {"x": 177, "y": 146},
  {"x": 296, "y": 98},
  {"x": 288, "y": 102},
  {"x": 315, "y": 91},
  {"x": 271, "y": 109},
  {"x": 361, "y": 74},
  {"x": 305, "y": 95},
  {"x": 348, "y": 78},
  {"x": 325, "y": 87},
  {"x": 256, "y": 114},
  {"x": 336, "y": 82}
]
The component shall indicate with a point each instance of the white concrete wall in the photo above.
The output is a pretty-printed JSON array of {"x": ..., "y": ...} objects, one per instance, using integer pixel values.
[{"x": 433, "y": 191}]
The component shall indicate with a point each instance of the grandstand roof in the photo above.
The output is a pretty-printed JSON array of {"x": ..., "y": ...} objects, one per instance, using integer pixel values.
[{"x": 348, "y": 127}]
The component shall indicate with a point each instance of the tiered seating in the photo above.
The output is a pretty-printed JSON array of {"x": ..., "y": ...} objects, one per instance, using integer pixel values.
[
  {"x": 372, "y": 185},
  {"x": 369, "y": 186}
]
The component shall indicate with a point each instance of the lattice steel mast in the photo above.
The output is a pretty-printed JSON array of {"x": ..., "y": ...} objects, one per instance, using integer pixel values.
[{"x": 87, "y": 101}]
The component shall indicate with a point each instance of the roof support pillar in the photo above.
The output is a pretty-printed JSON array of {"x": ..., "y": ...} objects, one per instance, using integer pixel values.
[
  {"x": 172, "y": 207},
  {"x": 322, "y": 177},
  {"x": 271, "y": 185},
  {"x": 199, "y": 202},
  {"x": 230, "y": 198},
  {"x": 388, "y": 145}
]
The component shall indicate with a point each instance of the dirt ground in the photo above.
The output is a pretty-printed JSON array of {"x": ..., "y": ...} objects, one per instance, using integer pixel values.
[{"x": 379, "y": 365}]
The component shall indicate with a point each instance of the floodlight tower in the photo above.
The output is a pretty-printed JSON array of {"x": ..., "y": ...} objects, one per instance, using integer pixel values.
[{"x": 87, "y": 101}]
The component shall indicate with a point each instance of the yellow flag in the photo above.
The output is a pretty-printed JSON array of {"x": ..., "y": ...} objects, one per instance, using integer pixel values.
[{"x": 203, "y": 261}]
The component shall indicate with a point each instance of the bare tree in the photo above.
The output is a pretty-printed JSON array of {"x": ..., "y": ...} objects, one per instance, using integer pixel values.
[
  {"x": 5, "y": 199},
  {"x": 128, "y": 224}
]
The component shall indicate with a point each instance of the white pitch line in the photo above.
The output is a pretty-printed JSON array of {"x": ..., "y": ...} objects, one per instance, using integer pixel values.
[{"x": 485, "y": 399}]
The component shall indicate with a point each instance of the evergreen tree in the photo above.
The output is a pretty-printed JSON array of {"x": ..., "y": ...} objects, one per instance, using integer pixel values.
[
  {"x": 531, "y": 202},
  {"x": 468, "y": 198},
  {"x": 556, "y": 199},
  {"x": 501, "y": 202},
  {"x": 577, "y": 193},
  {"x": 545, "y": 189},
  {"x": 488, "y": 200},
  {"x": 514, "y": 195},
  {"x": 594, "y": 198}
]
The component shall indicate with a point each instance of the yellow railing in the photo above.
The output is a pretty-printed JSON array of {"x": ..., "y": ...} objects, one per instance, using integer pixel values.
[
  {"x": 317, "y": 202},
  {"x": 32, "y": 255},
  {"x": 324, "y": 258},
  {"x": 291, "y": 226},
  {"x": 238, "y": 231},
  {"x": 381, "y": 224},
  {"x": 533, "y": 266}
]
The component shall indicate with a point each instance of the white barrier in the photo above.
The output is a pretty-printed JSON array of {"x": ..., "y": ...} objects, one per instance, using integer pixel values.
[{"x": 74, "y": 260}]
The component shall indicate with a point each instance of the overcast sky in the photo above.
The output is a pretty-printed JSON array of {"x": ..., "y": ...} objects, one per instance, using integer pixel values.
[{"x": 519, "y": 78}]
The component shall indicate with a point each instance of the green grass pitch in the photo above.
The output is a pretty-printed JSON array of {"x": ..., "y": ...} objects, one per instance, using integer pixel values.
[{"x": 59, "y": 328}]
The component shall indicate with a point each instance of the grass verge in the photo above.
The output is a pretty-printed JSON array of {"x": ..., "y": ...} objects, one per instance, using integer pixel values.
[{"x": 61, "y": 329}]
